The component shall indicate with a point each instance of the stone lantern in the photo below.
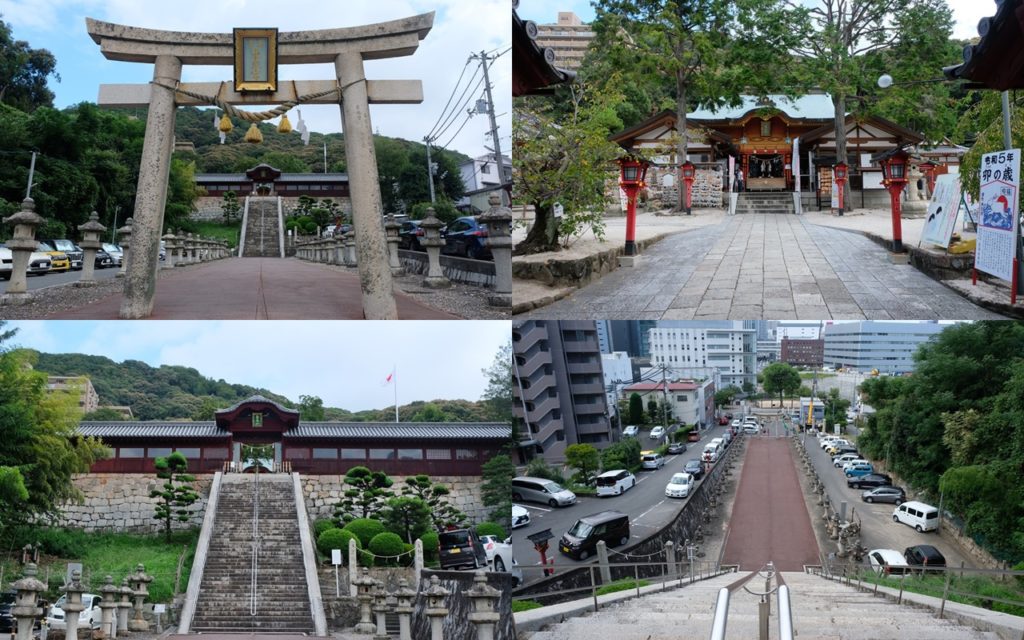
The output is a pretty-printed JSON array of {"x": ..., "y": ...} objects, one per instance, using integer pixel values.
[
  {"x": 436, "y": 610},
  {"x": 138, "y": 582},
  {"x": 169, "y": 242},
  {"x": 365, "y": 585},
  {"x": 73, "y": 605},
  {"x": 124, "y": 235},
  {"x": 108, "y": 606},
  {"x": 499, "y": 239},
  {"x": 380, "y": 610},
  {"x": 405, "y": 597},
  {"x": 91, "y": 243},
  {"x": 484, "y": 598},
  {"x": 22, "y": 245},
  {"x": 433, "y": 242},
  {"x": 391, "y": 227},
  {"x": 124, "y": 606},
  {"x": 26, "y": 602}
]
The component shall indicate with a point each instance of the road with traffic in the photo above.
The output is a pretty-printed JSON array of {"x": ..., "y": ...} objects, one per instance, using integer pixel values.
[{"x": 34, "y": 283}]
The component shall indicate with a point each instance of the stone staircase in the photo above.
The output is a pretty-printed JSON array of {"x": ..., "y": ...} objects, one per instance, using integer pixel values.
[
  {"x": 822, "y": 610},
  {"x": 282, "y": 597},
  {"x": 262, "y": 232},
  {"x": 753, "y": 202}
]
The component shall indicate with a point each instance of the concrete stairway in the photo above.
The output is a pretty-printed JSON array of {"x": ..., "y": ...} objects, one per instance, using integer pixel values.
[
  {"x": 822, "y": 610},
  {"x": 225, "y": 595},
  {"x": 753, "y": 202},
  {"x": 262, "y": 232}
]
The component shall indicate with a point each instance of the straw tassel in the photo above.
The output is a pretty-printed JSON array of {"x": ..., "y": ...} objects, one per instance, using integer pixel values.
[
  {"x": 225, "y": 124},
  {"x": 253, "y": 135},
  {"x": 284, "y": 126}
]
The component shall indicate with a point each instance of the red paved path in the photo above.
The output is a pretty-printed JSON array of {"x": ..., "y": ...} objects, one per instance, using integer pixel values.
[
  {"x": 256, "y": 289},
  {"x": 769, "y": 517}
]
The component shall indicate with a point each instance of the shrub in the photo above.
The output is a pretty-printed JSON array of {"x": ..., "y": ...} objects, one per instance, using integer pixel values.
[
  {"x": 335, "y": 539},
  {"x": 365, "y": 529},
  {"x": 325, "y": 524},
  {"x": 430, "y": 543},
  {"x": 387, "y": 544},
  {"x": 620, "y": 585},
  {"x": 443, "y": 210},
  {"x": 525, "y": 605},
  {"x": 538, "y": 468},
  {"x": 490, "y": 529}
]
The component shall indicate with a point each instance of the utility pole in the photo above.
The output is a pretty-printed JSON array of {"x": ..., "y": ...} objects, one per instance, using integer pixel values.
[
  {"x": 31, "y": 173},
  {"x": 484, "y": 60},
  {"x": 430, "y": 169}
]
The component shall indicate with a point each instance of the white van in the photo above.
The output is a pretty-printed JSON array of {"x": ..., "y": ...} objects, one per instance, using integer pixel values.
[
  {"x": 919, "y": 515},
  {"x": 711, "y": 452},
  {"x": 615, "y": 482},
  {"x": 718, "y": 442}
]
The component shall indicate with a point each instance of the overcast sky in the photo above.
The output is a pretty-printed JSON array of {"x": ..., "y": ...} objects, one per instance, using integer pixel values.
[
  {"x": 460, "y": 28},
  {"x": 344, "y": 363}
]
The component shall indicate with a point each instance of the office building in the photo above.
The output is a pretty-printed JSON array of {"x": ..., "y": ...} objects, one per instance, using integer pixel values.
[
  {"x": 692, "y": 401},
  {"x": 724, "y": 350},
  {"x": 872, "y": 344},
  {"x": 88, "y": 399}
]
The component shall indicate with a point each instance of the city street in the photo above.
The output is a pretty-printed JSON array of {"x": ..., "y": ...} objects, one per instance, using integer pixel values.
[{"x": 35, "y": 283}]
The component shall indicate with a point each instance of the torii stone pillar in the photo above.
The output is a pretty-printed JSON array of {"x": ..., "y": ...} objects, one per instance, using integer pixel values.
[{"x": 346, "y": 48}]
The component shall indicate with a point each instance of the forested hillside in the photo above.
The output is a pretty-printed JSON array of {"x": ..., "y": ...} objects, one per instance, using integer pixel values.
[{"x": 175, "y": 392}]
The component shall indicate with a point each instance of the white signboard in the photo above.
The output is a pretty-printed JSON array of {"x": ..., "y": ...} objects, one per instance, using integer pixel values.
[
  {"x": 942, "y": 210},
  {"x": 335, "y": 556},
  {"x": 159, "y": 608},
  {"x": 997, "y": 228},
  {"x": 835, "y": 194},
  {"x": 796, "y": 164}
]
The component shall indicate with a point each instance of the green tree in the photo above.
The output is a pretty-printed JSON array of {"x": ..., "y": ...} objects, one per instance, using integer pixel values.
[
  {"x": 24, "y": 72},
  {"x": 182, "y": 192},
  {"x": 985, "y": 121},
  {"x": 586, "y": 459},
  {"x": 229, "y": 206},
  {"x": 176, "y": 494},
  {"x": 780, "y": 378},
  {"x": 437, "y": 497},
  {"x": 367, "y": 494},
  {"x": 430, "y": 413},
  {"x": 622, "y": 455},
  {"x": 407, "y": 516},
  {"x": 206, "y": 410},
  {"x": 726, "y": 396},
  {"x": 105, "y": 414},
  {"x": 311, "y": 408},
  {"x": 636, "y": 409},
  {"x": 498, "y": 394},
  {"x": 835, "y": 408},
  {"x": 496, "y": 489}
]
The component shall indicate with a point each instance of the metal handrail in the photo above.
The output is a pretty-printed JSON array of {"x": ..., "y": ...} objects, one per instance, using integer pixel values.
[
  {"x": 254, "y": 569},
  {"x": 721, "y": 615},
  {"x": 785, "y": 614}
]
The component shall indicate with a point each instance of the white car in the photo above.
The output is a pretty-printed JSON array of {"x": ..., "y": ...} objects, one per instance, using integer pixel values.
[
  {"x": 840, "y": 461},
  {"x": 631, "y": 431},
  {"x": 520, "y": 516},
  {"x": 89, "y": 617},
  {"x": 679, "y": 486},
  {"x": 736, "y": 423},
  {"x": 500, "y": 557},
  {"x": 38, "y": 263},
  {"x": 751, "y": 429},
  {"x": 657, "y": 433},
  {"x": 887, "y": 561}
]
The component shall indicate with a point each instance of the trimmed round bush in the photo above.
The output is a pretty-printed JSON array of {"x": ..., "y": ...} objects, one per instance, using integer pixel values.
[
  {"x": 365, "y": 529},
  {"x": 335, "y": 539},
  {"x": 387, "y": 544},
  {"x": 430, "y": 546},
  {"x": 324, "y": 525},
  {"x": 490, "y": 529}
]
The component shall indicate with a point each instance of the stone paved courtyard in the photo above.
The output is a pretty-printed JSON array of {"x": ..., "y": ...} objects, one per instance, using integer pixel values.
[{"x": 765, "y": 266}]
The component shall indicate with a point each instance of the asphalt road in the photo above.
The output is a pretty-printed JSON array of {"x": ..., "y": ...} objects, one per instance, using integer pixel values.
[
  {"x": 646, "y": 505},
  {"x": 878, "y": 531},
  {"x": 63, "y": 277}
]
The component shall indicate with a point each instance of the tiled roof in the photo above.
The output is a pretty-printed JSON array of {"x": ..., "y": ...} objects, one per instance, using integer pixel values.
[
  {"x": 434, "y": 430},
  {"x": 153, "y": 429},
  {"x": 257, "y": 398}
]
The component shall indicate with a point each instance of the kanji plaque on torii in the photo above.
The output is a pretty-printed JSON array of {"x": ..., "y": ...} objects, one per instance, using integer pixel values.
[{"x": 347, "y": 48}]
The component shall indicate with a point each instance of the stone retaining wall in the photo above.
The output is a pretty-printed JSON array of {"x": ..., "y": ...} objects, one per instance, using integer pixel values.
[
  {"x": 475, "y": 272},
  {"x": 208, "y": 207},
  {"x": 323, "y": 491}
]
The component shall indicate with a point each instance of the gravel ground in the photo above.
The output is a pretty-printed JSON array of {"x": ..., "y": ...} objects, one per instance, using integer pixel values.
[{"x": 460, "y": 300}]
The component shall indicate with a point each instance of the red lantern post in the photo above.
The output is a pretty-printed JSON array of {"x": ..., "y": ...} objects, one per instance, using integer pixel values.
[
  {"x": 928, "y": 169},
  {"x": 540, "y": 543},
  {"x": 894, "y": 171},
  {"x": 840, "y": 172},
  {"x": 631, "y": 179},
  {"x": 689, "y": 172}
]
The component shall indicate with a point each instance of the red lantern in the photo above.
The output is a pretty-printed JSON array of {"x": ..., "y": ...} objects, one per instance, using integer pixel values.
[
  {"x": 632, "y": 172},
  {"x": 689, "y": 171},
  {"x": 840, "y": 171},
  {"x": 928, "y": 169},
  {"x": 894, "y": 172}
]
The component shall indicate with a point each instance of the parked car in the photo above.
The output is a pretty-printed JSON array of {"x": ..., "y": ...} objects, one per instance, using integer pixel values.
[
  {"x": 520, "y": 516},
  {"x": 631, "y": 431},
  {"x": 868, "y": 481},
  {"x": 115, "y": 252},
  {"x": 923, "y": 517},
  {"x": 409, "y": 235},
  {"x": 59, "y": 260},
  {"x": 651, "y": 460},
  {"x": 676, "y": 447},
  {"x": 7, "y": 622},
  {"x": 88, "y": 618},
  {"x": 679, "y": 486},
  {"x": 736, "y": 423},
  {"x": 695, "y": 468},
  {"x": 884, "y": 493},
  {"x": 722, "y": 421},
  {"x": 525, "y": 488},
  {"x": 499, "y": 553},
  {"x": 751, "y": 429},
  {"x": 70, "y": 249},
  {"x": 467, "y": 237},
  {"x": 38, "y": 263},
  {"x": 840, "y": 461},
  {"x": 102, "y": 260},
  {"x": 615, "y": 482},
  {"x": 925, "y": 556},
  {"x": 580, "y": 541},
  {"x": 843, "y": 450},
  {"x": 857, "y": 469},
  {"x": 856, "y": 461},
  {"x": 657, "y": 433},
  {"x": 461, "y": 549},
  {"x": 887, "y": 561},
  {"x": 6, "y": 263}
]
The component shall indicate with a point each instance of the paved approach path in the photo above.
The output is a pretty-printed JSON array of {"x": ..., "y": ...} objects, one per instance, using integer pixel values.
[
  {"x": 776, "y": 267},
  {"x": 256, "y": 289},
  {"x": 769, "y": 517}
]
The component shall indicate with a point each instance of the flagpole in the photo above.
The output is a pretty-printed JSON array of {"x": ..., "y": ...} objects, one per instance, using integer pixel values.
[{"x": 395, "y": 369}]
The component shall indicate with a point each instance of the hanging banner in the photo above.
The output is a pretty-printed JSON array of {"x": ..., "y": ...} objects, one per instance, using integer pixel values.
[
  {"x": 942, "y": 210},
  {"x": 997, "y": 228},
  {"x": 796, "y": 164},
  {"x": 732, "y": 173}
]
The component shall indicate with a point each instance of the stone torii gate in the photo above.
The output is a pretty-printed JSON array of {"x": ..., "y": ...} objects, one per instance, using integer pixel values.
[{"x": 347, "y": 48}]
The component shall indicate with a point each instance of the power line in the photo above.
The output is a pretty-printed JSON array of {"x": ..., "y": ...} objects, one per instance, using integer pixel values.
[
  {"x": 454, "y": 89},
  {"x": 450, "y": 119}
]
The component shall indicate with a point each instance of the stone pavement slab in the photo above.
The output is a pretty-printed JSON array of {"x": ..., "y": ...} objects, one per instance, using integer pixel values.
[{"x": 255, "y": 289}]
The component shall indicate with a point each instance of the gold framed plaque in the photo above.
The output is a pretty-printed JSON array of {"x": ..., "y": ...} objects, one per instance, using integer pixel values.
[{"x": 256, "y": 60}]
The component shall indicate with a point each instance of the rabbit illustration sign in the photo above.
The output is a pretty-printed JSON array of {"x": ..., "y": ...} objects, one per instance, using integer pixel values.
[{"x": 997, "y": 229}]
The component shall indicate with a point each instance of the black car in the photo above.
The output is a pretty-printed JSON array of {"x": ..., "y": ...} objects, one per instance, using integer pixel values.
[
  {"x": 7, "y": 622},
  {"x": 925, "y": 556},
  {"x": 409, "y": 235},
  {"x": 868, "y": 481},
  {"x": 677, "y": 447},
  {"x": 884, "y": 493},
  {"x": 103, "y": 259},
  {"x": 466, "y": 236},
  {"x": 695, "y": 468},
  {"x": 844, "y": 449},
  {"x": 461, "y": 549}
]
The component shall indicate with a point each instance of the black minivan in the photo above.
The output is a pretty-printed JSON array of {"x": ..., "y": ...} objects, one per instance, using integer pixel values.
[
  {"x": 581, "y": 540},
  {"x": 461, "y": 549}
]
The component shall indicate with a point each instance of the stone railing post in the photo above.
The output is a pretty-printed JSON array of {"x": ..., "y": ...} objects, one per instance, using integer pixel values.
[
  {"x": 365, "y": 584},
  {"x": 670, "y": 558},
  {"x": 404, "y": 609},
  {"x": 484, "y": 598},
  {"x": 138, "y": 582},
  {"x": 602, "y": 560},
  {"x": 73, "y": 605},
  {"x": 351, "y": 257},
  {"x": 418, "y": 560},
  {"x": 499, "y": 238},
  {"x": 391, "y": 227},
  {"x": 107, "y": 606},
  {"x": 353, "y": 568},
  {"x": 124, "y": 605},
  {"x": 338, "y": 250},
  {"x": 169, "y": 241},
  {"x": 22, "y": 245},
  {"x": 26, "y": 601},
  {"x": 433, "y": 242},
  {"x": 124, "y": 236},
  {"x": 91, "y": 243},
  {"x": 380, "y": 611},
  {"x": 177, "y": 249},
  {"x": 436, "y": 610}
]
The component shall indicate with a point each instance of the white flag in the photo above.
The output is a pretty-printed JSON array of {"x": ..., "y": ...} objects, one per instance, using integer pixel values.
[{"x": 216, "y": 127}]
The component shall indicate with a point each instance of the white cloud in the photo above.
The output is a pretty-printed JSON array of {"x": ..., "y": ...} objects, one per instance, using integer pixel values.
[{"x": 32, "y": 335}]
